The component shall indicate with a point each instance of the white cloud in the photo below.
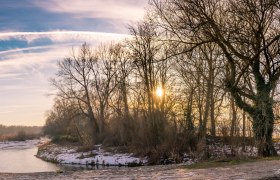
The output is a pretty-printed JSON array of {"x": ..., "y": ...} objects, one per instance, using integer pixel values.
[
  {"x": 24, "y": 83},
  {"x": 30, "y": 59},
  {"x": 112, "y": 9},
  {"x": 24, "y": 72},
  {"x": 64, "y": 36}
]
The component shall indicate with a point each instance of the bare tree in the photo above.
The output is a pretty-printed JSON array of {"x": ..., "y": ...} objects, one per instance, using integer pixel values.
[
  {"x": 147, "y": 52},
  {"x": 248, "y": 34},
  {"x": 103, "y": 72},
  {"x": 73, "y": 81},
  {"x": 124, "y": 70},
  {"x": 200, "y": 73}
]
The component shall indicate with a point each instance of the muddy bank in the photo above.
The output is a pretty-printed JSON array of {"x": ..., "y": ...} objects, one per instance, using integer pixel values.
[{"x": 256, "y": 170}]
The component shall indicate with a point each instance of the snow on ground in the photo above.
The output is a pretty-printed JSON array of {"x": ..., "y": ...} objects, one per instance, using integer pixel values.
[
  {"x": 98, "y": 156},
  {"x": 277, "y": 147},
  {"x": 188, "y": 159},
  {"x": 224, "y": 151},
  {"x": 217, "y": 149}
]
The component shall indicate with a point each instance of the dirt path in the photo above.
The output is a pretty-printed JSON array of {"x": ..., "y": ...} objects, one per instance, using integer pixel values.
[{"x": 256, "y": 170}]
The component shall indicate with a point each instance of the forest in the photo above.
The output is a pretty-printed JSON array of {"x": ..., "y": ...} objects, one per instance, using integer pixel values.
[{"x": 191, "y": 71}]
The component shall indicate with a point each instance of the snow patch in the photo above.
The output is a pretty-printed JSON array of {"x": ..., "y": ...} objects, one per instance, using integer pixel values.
[{"x": 98, "y": 156}]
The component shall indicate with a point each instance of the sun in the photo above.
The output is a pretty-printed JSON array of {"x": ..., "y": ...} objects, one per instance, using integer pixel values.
[{"x": 159, "y": 92}]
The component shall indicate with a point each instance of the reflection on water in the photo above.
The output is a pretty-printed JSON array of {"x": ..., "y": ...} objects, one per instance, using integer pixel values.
[{"x": 24, "y": 160}]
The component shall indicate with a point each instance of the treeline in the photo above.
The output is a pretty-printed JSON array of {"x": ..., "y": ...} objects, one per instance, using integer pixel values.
[
  {"x": 20, "y": 132},
  {"x": 190, "y": 69}
]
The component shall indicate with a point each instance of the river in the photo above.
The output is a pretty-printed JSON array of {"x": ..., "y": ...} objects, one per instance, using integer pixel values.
[{"x": 19, "y": 157}]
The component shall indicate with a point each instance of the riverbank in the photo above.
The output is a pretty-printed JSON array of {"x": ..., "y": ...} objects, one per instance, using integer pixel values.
[
  {"x": 75, "y": 154},
  {"x": 253, "y": 170},
  {"x": 97, "y": 156}
]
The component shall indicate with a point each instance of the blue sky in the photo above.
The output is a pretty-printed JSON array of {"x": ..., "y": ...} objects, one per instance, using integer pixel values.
[{"x": 35, "y": 34}]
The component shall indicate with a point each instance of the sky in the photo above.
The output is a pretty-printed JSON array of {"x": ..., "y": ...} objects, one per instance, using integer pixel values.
[{"x": 36, "y": 34}]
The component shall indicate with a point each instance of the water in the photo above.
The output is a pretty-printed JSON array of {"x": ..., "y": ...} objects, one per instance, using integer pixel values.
[
  {"x": 22, "y": 159},
  {"x": 19, "y": 157}
]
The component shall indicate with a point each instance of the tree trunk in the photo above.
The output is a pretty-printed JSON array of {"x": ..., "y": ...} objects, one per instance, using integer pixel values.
[
  {"x": 102, "y": 120},
  {"x": 244, "y": 125},
  {"x": 263, "y": 121},
  {"x": 94, "y": 126},
  {"x": 125, "y": 101},
  {"x": 243, "y": 129},
  {"x": 206, "y": 109},
  {"x": 233, "y": 118},
  {"x": 261, "y": 110},
  {"x": 212, "y": 111},
  {"x": 189, "y": 120}
]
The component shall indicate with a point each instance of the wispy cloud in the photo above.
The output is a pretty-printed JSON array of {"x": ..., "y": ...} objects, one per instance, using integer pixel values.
[
  {"x": 39, "y": 56},
  {"x": 110, "y": 9},
  {"x": 10, "y": 75},
  {"x": 63, "y": 36},
  {"x": 25, "y": 72},
  {"x": 35, "y": 34},
  {"x": 21, "y": 50}
]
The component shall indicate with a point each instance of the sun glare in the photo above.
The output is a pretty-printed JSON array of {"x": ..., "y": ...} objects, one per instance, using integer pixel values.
[{"x": 159, "y": 92}]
